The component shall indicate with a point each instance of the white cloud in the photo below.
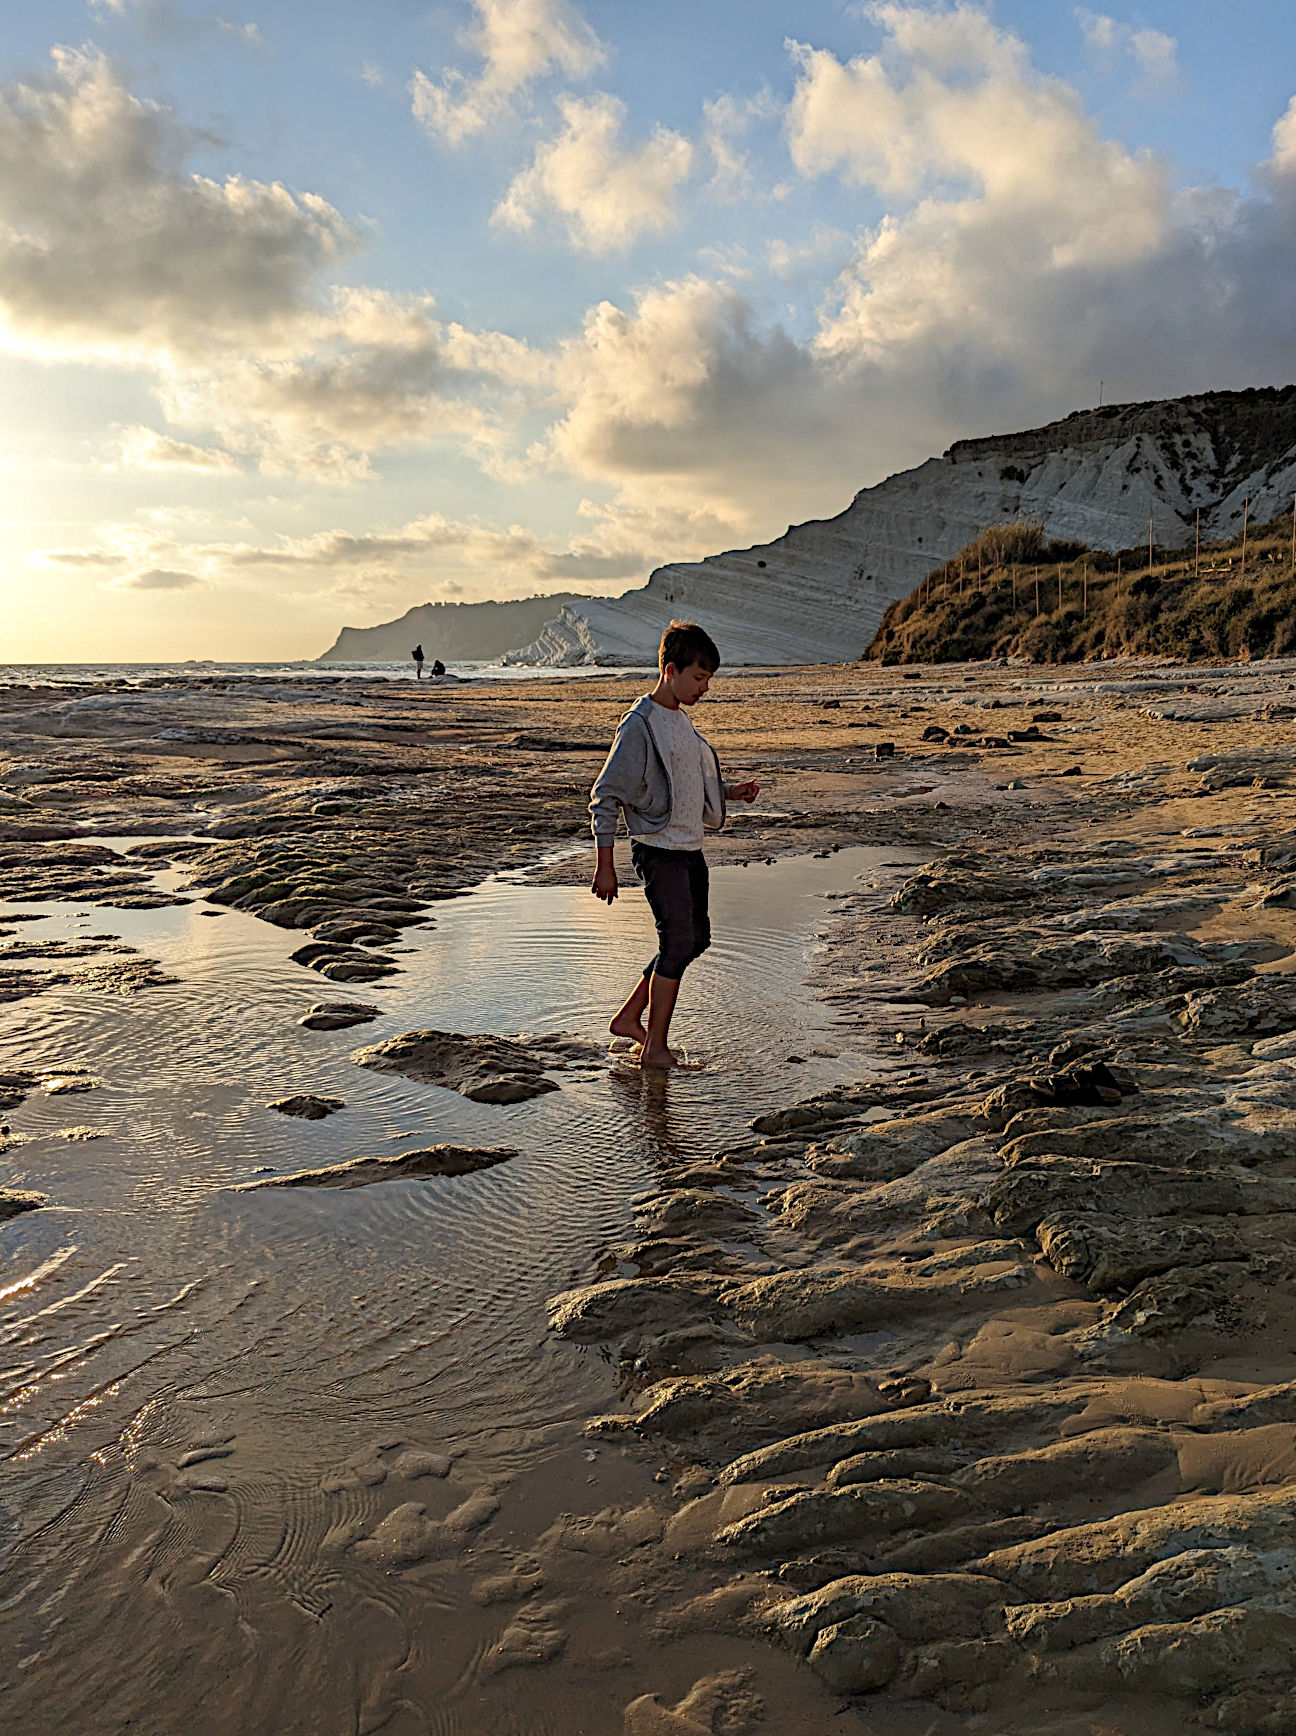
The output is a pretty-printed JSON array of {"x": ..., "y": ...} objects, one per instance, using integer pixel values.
[
  {"x": 95, "y": 559},
  {"x": 515, "y": 552},
  {"x": 110, "y": 250},
  {"x": 163, "y": 21},
  {"x": 155, "y": 579},
  {"x": 728, "y": 120},
  {"x": 519, "y": 42},
  {"x": 107, "y": 244},
  {"x": 377, "y": 371},
  {"x": 1048, "y": 206},
  {"x": 952, "y": 98},
  {"x": 131, "y": 556},
  {"x": 142, "y": 448},
  {"x": 606, "y": 195},
  {"x": 248, "y": 34},
  {"x": 1284, "y": 142},
  {"x": 806, "y": 259},
  {"x": 1153, "y": 52},
  {"x": 450, "y": 556},
  {"x": 706, "y": 424},
  {"x": 1023, "y": 257}
]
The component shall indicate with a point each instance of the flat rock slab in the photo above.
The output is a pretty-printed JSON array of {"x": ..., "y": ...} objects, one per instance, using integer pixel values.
[
  {"x": 403, "y": 1166},
  {"x": 337, "y": 1015},
  {"x": 306, "y": 1107},
  {"x": 484, "y": 1068},
  {"x": 14, "y": 1200},
  {"x": 54, "y": 1082},
  {"x": 340, "y": 964}
]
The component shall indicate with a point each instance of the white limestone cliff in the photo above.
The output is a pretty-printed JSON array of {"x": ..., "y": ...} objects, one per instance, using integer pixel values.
[{"x": 816, "y": 593}]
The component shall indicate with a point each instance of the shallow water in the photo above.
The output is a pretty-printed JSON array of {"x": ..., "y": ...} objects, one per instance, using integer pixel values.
[{"x": 153, "y": 1311}]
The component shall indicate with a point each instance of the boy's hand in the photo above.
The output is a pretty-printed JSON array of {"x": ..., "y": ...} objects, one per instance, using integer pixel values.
[
  {"x": 747, "y": 792},
  {"x": 605, "y": 881}
]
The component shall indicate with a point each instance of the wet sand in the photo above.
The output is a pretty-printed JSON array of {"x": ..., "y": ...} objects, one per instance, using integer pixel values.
[{"x": 879, "y": 1388}]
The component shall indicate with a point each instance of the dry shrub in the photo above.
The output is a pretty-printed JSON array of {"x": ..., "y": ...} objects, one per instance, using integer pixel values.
[{"x": 972, "y": 608}]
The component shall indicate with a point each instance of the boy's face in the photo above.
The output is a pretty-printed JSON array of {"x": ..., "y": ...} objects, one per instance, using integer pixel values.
[{"x": 687, "y": 684}]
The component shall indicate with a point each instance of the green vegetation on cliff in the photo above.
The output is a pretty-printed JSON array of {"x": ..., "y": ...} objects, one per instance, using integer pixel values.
[{"x": 1012, "y": 593}]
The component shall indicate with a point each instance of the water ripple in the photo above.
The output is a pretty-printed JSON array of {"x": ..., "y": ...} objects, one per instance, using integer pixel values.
[{"x": 191, "y": 1370}]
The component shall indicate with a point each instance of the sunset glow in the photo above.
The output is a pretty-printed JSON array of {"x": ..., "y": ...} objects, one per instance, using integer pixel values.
[{"x": 310, "y": 314}]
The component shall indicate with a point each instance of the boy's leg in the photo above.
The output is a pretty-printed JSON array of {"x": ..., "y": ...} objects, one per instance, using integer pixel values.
[
  {"x": 669, "y": 878},
  {"x": 700, "y": 890},
  {"x": 664, "y": 990},
  {"x": 662, "y": 994},
  {"x": 627, "y": 1021}
]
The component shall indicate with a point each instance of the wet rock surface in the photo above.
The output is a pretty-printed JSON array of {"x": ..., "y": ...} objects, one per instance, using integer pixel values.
[
  {"x": 337, "y": 1015},
  {"x": 950, "y": 1399},
  {"x": 974, "y": 1366},
  {"x": 404, "y": 1166},
  {"x": 484, "y": 1069},
  {"x": 17, "y": 1084},
  {"x": 14, "y": 1201},
  {"x": 306, "y": 1107}
]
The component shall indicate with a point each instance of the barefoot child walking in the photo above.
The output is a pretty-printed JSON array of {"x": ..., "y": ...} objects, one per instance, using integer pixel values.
[{"x": 666, "y": 780}]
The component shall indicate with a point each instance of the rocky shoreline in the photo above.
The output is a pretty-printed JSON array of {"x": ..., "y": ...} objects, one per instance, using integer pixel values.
[
  {"x": 972, "y": 1410},
  {"x": 979, "y": 1386},
  {"x": 962, "y": 1397}
]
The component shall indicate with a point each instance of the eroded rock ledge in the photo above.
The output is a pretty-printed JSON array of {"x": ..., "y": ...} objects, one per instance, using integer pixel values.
[
  {"x": 483, "y": 1068},
  {"x": 401, "y": 1166},
  {"x": 990, "y": 1400}
]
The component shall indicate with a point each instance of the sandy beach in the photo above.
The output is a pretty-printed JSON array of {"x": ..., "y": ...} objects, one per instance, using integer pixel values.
[{"x": 384, "y": 1355}]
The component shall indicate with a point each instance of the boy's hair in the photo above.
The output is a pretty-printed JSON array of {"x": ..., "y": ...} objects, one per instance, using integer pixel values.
[{"x": 683, "y": 643}]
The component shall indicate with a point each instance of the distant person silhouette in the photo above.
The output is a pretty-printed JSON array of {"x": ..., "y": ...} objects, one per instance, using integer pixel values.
[
  {"x": 417, "y": 655},
  {"x": 438, "y": 668}
]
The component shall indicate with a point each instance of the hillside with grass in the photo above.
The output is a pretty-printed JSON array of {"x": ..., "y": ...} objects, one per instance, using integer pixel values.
[{"x": 1013, "y": 593}]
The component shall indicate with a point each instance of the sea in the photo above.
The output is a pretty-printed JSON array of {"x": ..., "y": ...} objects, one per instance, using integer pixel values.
[{"x": 154, "y": 674}]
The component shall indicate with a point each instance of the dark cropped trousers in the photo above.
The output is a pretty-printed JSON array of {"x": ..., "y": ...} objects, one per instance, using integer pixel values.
[{"x": 677, "y": 886}]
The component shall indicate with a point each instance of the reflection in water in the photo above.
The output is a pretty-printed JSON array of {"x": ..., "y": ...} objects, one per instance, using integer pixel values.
[
  {"x": 647, "y": 1098},
  {"x": 204, "y": 1391}
]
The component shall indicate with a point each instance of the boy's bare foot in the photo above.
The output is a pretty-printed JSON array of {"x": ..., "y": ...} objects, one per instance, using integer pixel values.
[
  {"x": 658, "y": 1057},
  {"x": 626, "y": 1025}
]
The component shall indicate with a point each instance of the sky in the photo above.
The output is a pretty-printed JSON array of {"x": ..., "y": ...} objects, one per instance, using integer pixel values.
[{"x": 312, "y": 312}]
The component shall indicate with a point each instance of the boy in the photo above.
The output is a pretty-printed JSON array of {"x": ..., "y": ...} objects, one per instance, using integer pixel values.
[{"x": 666, "y": 779}]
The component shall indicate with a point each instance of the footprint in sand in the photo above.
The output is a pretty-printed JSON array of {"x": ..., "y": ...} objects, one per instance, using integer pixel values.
[
  {"x": 371, "y": 1465},
  {"x": 407, "y": 1535}
]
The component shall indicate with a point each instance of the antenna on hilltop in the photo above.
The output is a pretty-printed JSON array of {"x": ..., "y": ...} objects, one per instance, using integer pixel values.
[{"x": 1101, "y": 384}]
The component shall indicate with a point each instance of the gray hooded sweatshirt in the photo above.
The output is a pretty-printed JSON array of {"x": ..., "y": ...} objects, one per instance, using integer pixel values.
[{"x": 634, "y": 781}]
